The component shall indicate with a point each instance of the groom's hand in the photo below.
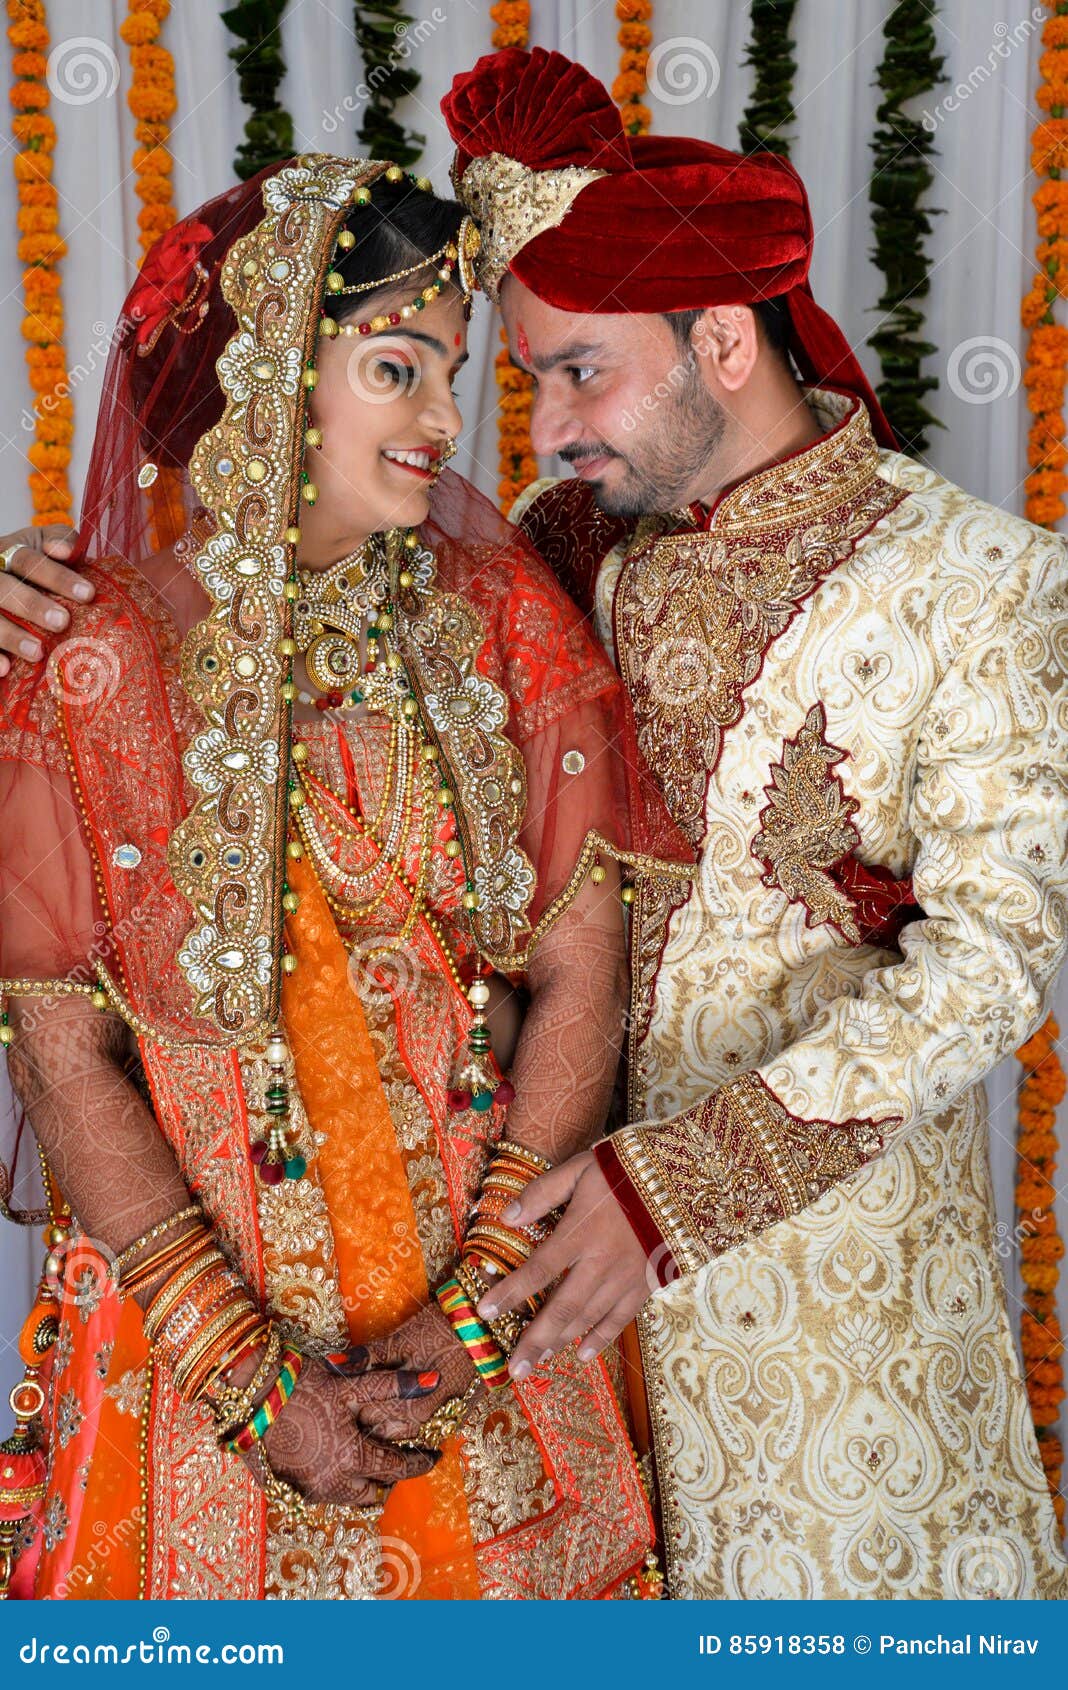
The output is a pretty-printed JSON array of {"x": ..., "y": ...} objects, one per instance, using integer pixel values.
[
  {"x": 608, "y": 1273},
  {"x": 31, "y": 573}
]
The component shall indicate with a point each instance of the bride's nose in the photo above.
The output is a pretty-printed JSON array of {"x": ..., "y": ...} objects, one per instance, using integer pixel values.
[{"x": 440, "y": 411}]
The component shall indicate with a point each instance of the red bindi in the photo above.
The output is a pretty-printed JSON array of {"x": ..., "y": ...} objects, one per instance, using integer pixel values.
[
  {"x": 456, "y": 340},
  {"x": 523, "y": 343}
]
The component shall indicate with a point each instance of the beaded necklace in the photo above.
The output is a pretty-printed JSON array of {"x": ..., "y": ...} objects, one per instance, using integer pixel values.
[{"x": 332, "y": 609}]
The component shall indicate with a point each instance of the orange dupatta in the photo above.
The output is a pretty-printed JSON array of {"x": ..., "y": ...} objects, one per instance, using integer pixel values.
[{"x": 363, "y": 1180}]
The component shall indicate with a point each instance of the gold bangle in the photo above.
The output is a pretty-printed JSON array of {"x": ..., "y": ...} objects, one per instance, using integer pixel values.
[
  {"x": 233, "y": 1404},
  {"x": 157, "y": 1231},
  {"x": 162, "y": 1264},
  {"x": 508, "y": 1147},
  {"x": 184, "y": 1323},
  {"x": 187, "y": 1363},
  {"x": 171, "y": 1293},
  {"x": 501, "y": 1181},
  {"x": 228, "y": 1343},
  {"x": 236, "y": 1309}
]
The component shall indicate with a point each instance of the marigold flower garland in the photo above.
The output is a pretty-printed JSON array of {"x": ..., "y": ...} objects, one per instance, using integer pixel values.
[
  {"x": 517, "y": 466},
  {"x": 1041, "y": 1248},
  {"x": 1047, "y": 350},
  {"x": 40, "y": 250},
  {"x": 1044, "y": 1084},
  {"x": 153, "y": 101},
  {"x": 635, "y": 37}
]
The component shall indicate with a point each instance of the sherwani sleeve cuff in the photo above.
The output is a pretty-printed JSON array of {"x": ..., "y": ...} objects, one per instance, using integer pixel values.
[
  {"x": 707, "y": 1180},
  {"x": 614, "y": 1159}
]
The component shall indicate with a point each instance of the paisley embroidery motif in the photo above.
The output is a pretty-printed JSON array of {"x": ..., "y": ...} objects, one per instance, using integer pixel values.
[{"x": 807, "y": 827}]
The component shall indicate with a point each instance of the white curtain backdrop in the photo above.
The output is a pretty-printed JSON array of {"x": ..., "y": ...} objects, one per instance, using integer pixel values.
[{"x": 981, "y": 249}]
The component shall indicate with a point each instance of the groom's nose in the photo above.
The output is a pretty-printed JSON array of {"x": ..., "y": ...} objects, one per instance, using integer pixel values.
[{"x": 552, "y": 422}]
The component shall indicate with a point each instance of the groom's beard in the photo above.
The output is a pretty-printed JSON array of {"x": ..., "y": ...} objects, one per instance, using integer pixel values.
[{"x": 667, "y": 457}]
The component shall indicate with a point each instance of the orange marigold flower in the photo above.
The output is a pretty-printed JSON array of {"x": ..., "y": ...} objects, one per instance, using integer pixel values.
[
  {"x": 627, "y": 86},
  {"x": 1044, "y": 512},
  {"x": 29, "y": 96},
  {"x": 34, "y": 128},
  {"x": 153, "y": 190},
  {"x": 27, "y": 33},
  {"x": 32, "y": 167},
  {"x": 31, "y": 64},
  {"x": 156, "y": 159},
  {"x": 138, "y": 29},
  {"x": 45, "y": 457}
]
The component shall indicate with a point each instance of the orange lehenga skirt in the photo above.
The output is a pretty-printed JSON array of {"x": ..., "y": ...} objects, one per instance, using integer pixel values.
[{"x": 538, "y": 1497}]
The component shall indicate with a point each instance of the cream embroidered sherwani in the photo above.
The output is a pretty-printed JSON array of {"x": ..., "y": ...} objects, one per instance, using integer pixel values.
[{"x": 850, "y": 665}]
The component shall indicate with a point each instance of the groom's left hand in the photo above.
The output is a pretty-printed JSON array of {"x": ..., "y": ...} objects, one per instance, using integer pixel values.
[{"x": 608, "y": 1272}]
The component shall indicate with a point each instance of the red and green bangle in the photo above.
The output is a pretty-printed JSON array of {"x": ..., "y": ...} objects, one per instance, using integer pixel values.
[
  {"x": 473, "y": 1334},
  {"x": 267, "y": 1413}
]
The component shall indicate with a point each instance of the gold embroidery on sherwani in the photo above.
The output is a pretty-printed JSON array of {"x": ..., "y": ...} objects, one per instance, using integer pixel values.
[
  {"x": 837, "y": 1402},
  {"x": 806, "y": 828},
  {"x": 737, "y": 1163},
  {"x": 696, "y": 613}
]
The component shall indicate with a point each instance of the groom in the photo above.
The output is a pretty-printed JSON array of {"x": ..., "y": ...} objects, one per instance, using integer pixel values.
[{"x": 848, "y": 676}]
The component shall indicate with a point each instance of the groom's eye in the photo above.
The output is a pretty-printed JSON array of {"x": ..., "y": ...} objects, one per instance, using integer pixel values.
[{"x": 580, "y": 373}]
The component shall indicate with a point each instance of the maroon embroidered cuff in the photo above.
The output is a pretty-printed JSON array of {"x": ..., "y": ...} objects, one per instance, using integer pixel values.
[
  {"x": 713, "y": 1177},
  {"x": 645, "y": 1229}
]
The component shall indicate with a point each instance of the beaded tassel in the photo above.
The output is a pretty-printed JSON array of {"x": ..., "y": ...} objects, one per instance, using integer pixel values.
[
  {"x": 476, "y": 1086},
  {"x": 273, "y": 1156}
]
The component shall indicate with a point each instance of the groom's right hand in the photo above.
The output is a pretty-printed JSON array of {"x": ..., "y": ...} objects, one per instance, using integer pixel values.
[{"x": 33, "y": 586}]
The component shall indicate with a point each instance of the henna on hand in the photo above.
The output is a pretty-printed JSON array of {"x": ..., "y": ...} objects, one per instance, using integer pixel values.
[
  {"x": 426, "y": 1340},
  {"x": 317, "y": 1446}
]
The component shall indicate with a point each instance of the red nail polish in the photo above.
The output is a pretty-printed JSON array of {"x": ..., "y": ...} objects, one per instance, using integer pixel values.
[{"x": 430, "y": 1381}]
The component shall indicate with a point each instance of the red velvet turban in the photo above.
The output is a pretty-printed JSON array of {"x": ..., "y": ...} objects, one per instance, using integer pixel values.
[{"x": 591, "y": 219}]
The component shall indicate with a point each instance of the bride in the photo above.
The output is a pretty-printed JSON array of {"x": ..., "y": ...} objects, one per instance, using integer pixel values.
[{"x": 312, "y": 950}]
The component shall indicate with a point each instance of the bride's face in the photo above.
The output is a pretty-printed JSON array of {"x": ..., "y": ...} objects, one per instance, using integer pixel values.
[{"x": 385, "y": 406}]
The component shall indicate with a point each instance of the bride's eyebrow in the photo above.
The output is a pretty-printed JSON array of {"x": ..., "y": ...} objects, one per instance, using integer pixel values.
[{"x": 426, "y": 340}]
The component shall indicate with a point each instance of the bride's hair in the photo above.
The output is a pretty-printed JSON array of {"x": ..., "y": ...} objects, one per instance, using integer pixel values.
[{"x": 400, "y": 225}]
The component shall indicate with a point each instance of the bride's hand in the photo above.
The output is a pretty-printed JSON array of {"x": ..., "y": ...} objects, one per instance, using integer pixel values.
[
  {"x": 33, "y": 573},
  {"x": 317, "y": 1446},
  {"x": 426, "y": 1340}
]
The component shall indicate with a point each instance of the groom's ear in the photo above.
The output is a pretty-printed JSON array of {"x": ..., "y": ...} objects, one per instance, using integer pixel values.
[{"x": 725, "y": 340}]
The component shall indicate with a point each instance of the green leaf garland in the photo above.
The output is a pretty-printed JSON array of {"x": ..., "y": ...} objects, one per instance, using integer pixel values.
[
  {"x": 379, "y": 28},
  {"x": 771, "y": 54},
  {"x": 902, "y": 175},
  {"x": 260, "y": 67}
]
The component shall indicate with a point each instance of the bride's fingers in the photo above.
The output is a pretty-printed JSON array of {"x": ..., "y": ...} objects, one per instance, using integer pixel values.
[
  {"x": 392, "y": 1385},
  {"x": 387, "y": 1464},
  {"x": 348, "y": 1364}
]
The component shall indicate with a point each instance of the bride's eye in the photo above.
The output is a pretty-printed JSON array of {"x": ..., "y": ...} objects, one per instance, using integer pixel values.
[{"x": 402, "y": 375}]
